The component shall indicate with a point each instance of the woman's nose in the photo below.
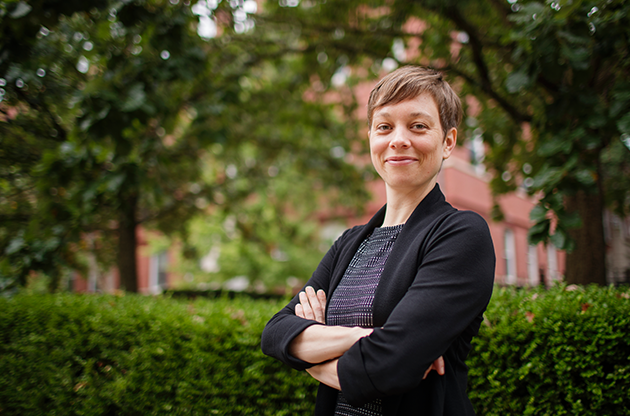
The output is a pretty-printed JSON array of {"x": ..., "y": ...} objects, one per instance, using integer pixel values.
[{"x": 399, "y": 140}]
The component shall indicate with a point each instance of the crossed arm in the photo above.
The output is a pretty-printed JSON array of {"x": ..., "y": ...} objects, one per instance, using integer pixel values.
[{"x": 323, "y": 345}]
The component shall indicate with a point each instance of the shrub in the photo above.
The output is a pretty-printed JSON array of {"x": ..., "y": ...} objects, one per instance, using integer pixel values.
[
  {"x": 555, "y": 352},
  {"x": 540, "y": 352},
  {"x": 135, "y": 355}
]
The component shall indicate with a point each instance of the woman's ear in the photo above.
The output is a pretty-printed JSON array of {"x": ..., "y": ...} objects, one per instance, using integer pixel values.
[{"x": 449, "y": 143}]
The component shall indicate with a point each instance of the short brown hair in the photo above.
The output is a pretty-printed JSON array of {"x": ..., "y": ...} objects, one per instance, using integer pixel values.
[{"x": 409, "y": 82}]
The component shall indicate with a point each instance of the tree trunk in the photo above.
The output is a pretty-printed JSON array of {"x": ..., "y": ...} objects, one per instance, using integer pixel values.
[
  {"x": 127, "y": 267},
  {"x": 55, "y": 280},
  {"x": 587, "y": 262}
]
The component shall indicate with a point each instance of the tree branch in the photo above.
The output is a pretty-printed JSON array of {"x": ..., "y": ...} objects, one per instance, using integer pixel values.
[
  {"x": 513, "y": 112},
  {"x": 12, "y": 218},
  {"x": 36, "y": 105},
  {"x": 484, "y": 82},
  {"x": 504, "y": 11}
]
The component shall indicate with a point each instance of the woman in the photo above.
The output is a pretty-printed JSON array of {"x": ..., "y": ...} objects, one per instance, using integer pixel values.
[{"x": 406, "y": 291}]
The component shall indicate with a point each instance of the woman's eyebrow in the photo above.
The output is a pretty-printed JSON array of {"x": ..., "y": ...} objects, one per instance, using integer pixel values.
[
  {"x": 385, "y": 114},
  {"x": 381, "y": 114},
  {"x": 421, "y": 114}
]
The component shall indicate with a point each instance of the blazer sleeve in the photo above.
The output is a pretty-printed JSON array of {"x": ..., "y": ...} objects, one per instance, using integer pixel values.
[
  {"x": 284, "y": 326},
  {"x": 451, "y": 289}
]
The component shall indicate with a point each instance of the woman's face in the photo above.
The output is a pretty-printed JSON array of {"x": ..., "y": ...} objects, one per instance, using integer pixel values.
[{"x": 407, "y": 144}]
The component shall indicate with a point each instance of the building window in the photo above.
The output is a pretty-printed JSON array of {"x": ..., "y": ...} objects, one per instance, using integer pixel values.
[
  {"x": 532, "y": 266},
  {"x": 157, "y": 272},
  {"x": 509, "y": 253},
  {"x": 552, "y": 263},
  {"x": 477, "y": 151}
]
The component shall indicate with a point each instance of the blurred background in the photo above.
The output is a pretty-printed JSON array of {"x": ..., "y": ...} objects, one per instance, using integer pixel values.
[{"x": 152, "y": 145}]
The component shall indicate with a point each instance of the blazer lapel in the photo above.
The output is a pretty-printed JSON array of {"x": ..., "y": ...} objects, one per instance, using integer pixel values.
[
  {"x": 403, "y": 262},
  {"x": 350, "y": 248}
]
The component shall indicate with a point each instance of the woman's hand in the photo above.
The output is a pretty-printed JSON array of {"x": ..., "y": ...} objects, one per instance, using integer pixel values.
[
  {"x": 312, "y": 305},
  {"x": 319, "y": 343},
  {"x": 326, "y": 373},
  {"x": 438, "y": 365}
]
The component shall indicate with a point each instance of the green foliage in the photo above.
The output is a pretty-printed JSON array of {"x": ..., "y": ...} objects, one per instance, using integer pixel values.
[
  {"x": 268, "y": 256},
  {"x": 561, "y": 67},
  {"x": 122, "y": 114},
  {"x": 616, "y": 166},
  {"x": 550, "y": 81},
  {"x": 565, "y": 351},
  {"x": 562, "y": 351},
  {"x": 94, "y": 355}
]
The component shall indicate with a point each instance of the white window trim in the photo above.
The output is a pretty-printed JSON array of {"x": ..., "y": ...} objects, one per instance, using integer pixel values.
[
  {"x": 154, "y": 270},
  {"x": 532, "y": 265},
  {"x": 552, "y": 262},
  {"x": 509, "y": 255}
]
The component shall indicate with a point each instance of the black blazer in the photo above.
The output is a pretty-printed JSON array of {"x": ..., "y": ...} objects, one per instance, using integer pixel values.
[{"x": 429, "y": 302}]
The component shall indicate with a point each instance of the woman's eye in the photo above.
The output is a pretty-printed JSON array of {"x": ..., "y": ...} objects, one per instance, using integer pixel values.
[
  {"x": 382, "y": 127},
  {"x": 419, "y": 126}
]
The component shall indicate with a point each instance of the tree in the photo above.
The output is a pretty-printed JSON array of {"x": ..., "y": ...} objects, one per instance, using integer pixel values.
[
  {"x": 136, "y": 119},
  {"x": 552, "y": 80},
  {"x": 24, "y": 136}
]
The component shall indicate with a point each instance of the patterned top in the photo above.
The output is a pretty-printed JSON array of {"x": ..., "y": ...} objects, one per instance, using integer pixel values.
[{"x": 351, "y": 302}]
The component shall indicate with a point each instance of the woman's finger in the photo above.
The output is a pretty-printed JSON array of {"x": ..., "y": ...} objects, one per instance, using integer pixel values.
[
  {"x": 299, "y": 311},
  {"x": 306, "y": 306},
  {"x": 318, "y": 309},
  {"x": 439, "y": 366},
  {"x": 321, "y": 295},
  {"x": 321, "y": 298}
]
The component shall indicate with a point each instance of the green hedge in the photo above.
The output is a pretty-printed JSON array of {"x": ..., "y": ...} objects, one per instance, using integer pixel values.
[
  {"x": 541, "y": 353},
  {"x": 556, "y": 352},
  {"x": 136, "y": 355}
]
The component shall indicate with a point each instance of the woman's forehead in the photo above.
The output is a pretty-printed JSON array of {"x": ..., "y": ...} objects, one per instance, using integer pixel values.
[{"x": 421, "y": 105}]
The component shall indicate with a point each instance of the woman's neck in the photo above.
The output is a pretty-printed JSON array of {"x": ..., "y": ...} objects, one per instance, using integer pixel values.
[{"x": 402, "y": 203}]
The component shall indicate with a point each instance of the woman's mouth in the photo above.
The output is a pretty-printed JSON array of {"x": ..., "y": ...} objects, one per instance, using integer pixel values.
[{"x": 400, "y": 160}]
